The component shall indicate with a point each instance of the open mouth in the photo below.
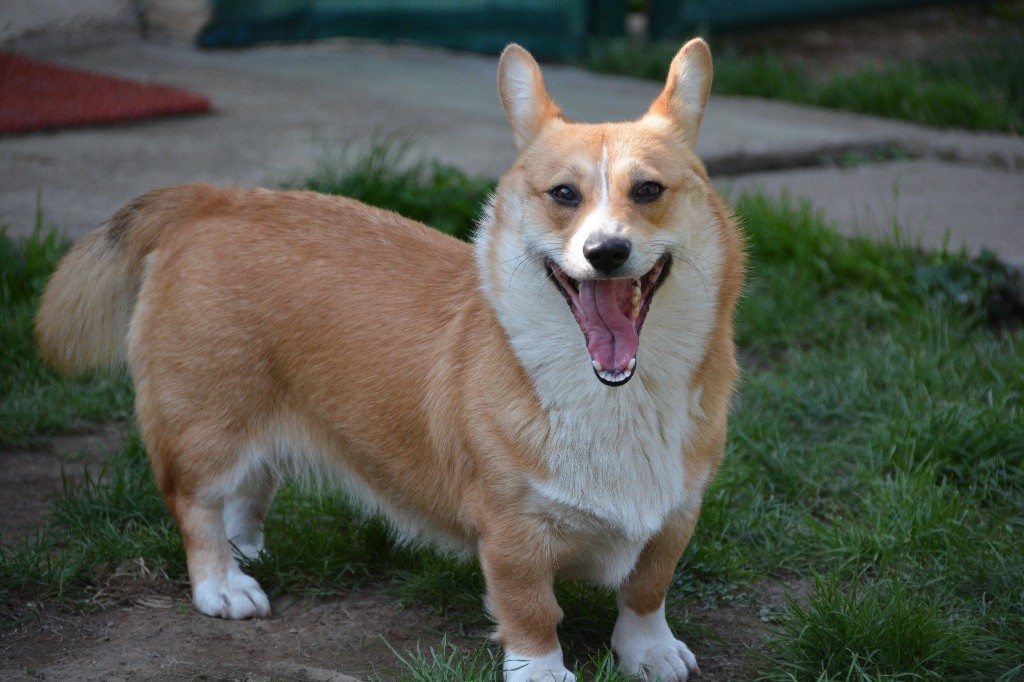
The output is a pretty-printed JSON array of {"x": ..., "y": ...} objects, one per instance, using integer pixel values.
[{"x": 611, "y": 313}]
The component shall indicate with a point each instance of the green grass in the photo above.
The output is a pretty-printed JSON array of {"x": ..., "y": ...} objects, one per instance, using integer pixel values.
[
  {"x": 977, "y": 86},
  {"x": 446, "y": 662},
  {"x": 883, "y": 631},
  {"x": 483, "y": 665},
  {"x": 879, "y": 442},
  {"x": 33, "y": 400},
  {"x": 875, "y": 465},
  {"x": 385, "y": 173}
]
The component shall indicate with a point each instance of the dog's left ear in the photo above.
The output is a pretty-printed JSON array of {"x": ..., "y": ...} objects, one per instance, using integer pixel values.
[
  {"x": 523, "y": 95},
  {"x": 687, "y": 89}
]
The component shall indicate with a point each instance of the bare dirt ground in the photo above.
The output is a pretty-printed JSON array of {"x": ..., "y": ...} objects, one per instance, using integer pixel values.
[
  {"x": 152, "y": 633},
  {"x": 147, "y": 630},
  {"x": 140, "y": 625}
]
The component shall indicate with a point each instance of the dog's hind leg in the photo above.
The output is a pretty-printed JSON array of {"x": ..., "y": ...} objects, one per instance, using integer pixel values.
[
  {"x": 245, "y": 509},
  {"x": 202, "y": 485},
  {"x": 219, "y": 588}
]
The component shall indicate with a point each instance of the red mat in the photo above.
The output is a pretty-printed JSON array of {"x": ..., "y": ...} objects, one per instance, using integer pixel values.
[{"x": 39, "y": 96}]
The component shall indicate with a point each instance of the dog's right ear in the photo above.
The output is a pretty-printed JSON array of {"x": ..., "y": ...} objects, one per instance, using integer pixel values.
[{"x": 521, "y": 87}]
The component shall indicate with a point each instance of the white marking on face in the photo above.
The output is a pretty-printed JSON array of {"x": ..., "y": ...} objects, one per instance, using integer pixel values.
[
  {"x": 598, "y": 220},
  {"x": 604, "y": 176}
]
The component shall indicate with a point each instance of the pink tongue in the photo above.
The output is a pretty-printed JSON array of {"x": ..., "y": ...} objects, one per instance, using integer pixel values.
[{"x": 605, "y": 308}]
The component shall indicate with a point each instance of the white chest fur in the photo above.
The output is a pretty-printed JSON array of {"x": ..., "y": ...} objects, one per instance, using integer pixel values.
[{"x": 616, "y": 452}]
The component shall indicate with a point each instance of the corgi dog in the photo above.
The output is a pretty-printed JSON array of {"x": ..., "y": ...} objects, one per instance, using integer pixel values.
[{"x": 552, "y": 398}]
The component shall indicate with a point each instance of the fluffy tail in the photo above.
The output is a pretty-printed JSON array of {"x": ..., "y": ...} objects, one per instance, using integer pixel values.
[{"x": 82, "y": 322}]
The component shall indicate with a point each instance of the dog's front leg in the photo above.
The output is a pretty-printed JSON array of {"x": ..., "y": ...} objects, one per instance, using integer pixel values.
[
  {"x": 642, "y": 640},
  {"x": 520, "y": 595}
]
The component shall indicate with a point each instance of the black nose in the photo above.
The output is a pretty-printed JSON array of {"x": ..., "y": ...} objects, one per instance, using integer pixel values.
[{"x": 606, "y": 253}]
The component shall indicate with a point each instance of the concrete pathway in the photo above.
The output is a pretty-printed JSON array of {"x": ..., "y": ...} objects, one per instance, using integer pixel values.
[
  {"x": 925, "y": 202},
  {"x": 278, "y": 108}
]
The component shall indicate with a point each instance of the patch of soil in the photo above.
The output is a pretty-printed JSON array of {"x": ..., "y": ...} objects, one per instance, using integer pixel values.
[
  {"x": 161, "y": 637},
  {"x": 154, "y": 634},
  {"x": 849, "y": 43},
  {"x": 739, "y": 631},
  {"x": 31, "y": 477},
  {"x": 142, "y": 627}
]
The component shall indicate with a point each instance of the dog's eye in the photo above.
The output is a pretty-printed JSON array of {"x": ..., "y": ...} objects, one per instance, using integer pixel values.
[
  {"x": 565, "y": 195},
  {"x": 647, "y": 191}
]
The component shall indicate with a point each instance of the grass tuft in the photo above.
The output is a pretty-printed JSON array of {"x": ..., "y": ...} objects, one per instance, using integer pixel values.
[
  {"x": 97, "y": 525},
  {"x": 447, "y": 662},
  {"x": 875, "y": 631},
  {"x": 386, "y": 174}
]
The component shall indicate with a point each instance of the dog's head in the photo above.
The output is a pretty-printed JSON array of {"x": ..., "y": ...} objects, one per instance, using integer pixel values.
[{"x": 604, "y": 209}]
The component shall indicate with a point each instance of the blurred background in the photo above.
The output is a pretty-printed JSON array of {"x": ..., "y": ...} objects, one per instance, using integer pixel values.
[{"x": 551, "y": 29}]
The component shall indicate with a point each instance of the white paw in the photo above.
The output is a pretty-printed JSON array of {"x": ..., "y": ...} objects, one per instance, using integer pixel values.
[
  {"x": 236, "y": 596},
  {"x": 546, "y": 668},
  {"x": 665, "y": 661},
  {"x": 645, "y": 646}
]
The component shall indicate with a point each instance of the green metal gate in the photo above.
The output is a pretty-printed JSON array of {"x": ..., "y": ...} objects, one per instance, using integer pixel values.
[{"x": 549, "y": 28}]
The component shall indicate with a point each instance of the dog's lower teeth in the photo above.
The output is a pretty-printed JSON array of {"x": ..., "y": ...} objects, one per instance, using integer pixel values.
[
  {"x": 618, "y": 376},
  {"x": 597, "y": 365}
]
